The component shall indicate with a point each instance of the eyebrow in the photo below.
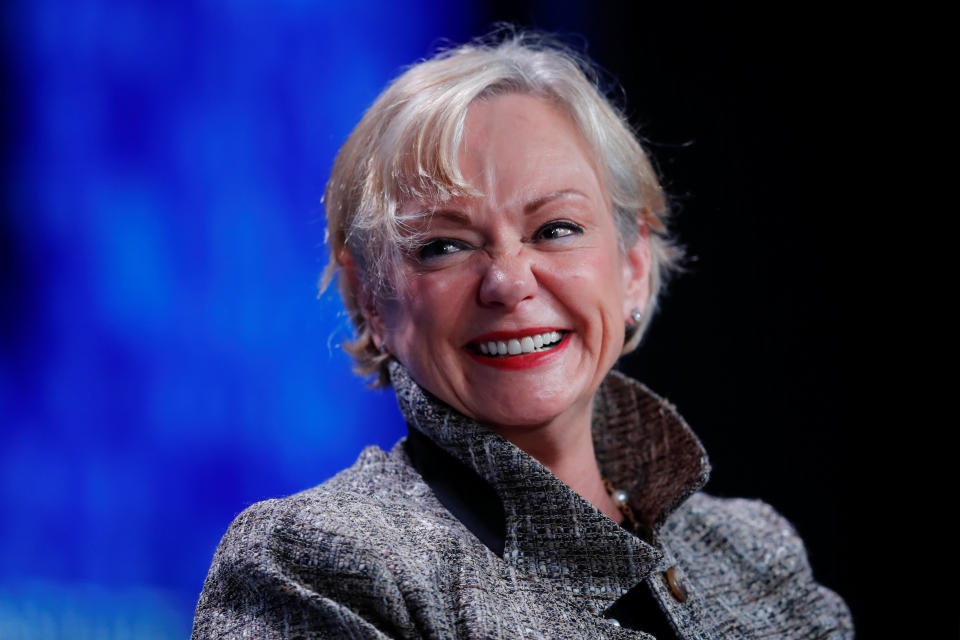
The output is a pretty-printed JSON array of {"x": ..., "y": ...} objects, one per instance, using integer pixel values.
[
  {"x": 458, "y": 217},
  {"x": 452, "y": 215},
  {"x": 532, "y": 206}
]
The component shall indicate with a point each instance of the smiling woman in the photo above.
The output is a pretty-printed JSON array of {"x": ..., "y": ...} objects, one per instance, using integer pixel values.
[
  {"x": 536, "y": 253},
  {"x": 501, "y": 241}
]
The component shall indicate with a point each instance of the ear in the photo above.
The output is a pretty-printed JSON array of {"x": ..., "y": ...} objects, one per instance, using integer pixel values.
[
  {"x": 636, "y": 271},
  {"x": 363, "y": 297}
]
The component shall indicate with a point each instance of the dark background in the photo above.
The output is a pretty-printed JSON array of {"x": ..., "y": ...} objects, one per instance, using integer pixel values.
[{"x": 164, "y": 362}]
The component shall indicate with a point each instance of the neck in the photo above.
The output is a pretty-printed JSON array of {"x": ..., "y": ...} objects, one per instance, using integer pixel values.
[{"x": 566, "y": 448}]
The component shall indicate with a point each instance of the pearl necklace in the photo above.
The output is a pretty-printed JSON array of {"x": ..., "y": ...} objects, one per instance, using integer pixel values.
[{"x": 621, "y": 499}]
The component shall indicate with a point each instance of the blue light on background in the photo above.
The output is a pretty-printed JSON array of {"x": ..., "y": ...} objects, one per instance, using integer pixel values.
[{"x": 163, "y": 360}]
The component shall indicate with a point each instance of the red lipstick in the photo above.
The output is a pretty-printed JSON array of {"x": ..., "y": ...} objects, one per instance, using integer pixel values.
[{"x": 522, "y": 360}]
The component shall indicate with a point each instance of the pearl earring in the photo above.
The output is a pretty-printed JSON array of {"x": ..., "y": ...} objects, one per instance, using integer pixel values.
[{"x": 636, "y": 315}]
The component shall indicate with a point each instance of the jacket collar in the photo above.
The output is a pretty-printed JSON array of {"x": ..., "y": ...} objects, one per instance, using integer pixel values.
[{"x": 642, "y": 445}]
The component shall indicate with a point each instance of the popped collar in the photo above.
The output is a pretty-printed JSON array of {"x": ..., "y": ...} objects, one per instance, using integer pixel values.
[{"x": 551, "y": 533}]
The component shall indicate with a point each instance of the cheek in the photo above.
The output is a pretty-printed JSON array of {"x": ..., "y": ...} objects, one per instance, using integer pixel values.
[
  {"x": 595, "y": 282},
  {"x": 430, "y": 304}
]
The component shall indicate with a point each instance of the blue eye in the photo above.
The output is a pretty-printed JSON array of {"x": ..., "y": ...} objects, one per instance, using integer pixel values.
[
  {"x": 439, "y": 248},
  {"x": 558, "y": 229}
]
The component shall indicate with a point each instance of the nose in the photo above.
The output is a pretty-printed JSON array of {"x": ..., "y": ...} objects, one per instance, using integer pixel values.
[{"x": 507, "y": 281}]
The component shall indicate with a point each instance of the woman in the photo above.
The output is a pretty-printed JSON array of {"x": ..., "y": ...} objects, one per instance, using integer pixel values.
[{"x": 500, "y": 240}]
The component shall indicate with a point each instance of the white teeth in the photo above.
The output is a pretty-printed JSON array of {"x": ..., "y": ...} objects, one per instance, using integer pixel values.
[
  {"x": 516, "y": 346},
  {"x": 527, "y": 345}
]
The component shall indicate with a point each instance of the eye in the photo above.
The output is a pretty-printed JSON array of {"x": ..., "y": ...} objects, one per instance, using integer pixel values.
[
  {"x": 440, "y": 247},
  {"x": 557, "y": 229}
]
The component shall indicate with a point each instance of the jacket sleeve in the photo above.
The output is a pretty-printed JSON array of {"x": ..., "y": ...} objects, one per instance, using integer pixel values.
[
  {"x": 751, "y": 571},
  {"x": 273, "y": 578},
  {"x": 786, "y": 581}
]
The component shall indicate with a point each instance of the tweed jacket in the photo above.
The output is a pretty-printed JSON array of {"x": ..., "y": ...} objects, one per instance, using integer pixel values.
[{"x": 378, "y": 552}]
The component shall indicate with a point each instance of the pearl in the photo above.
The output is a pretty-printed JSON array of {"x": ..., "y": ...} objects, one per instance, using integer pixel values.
[{"x": 619, "y": 496}]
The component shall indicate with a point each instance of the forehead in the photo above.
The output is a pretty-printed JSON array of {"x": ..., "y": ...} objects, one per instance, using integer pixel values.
[
  {"x": 517, "y": 113},
  {"x": 519, "y": 147},
  {"x": 516, "y": 127},
  {"x": 513, "y": 150}
]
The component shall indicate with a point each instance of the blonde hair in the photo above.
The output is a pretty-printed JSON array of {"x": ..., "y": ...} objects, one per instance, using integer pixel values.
[{"x": 406, "y": 145}]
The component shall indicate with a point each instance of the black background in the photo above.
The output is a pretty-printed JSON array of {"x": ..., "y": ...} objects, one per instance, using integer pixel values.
[{"x": 777, "y": 130}]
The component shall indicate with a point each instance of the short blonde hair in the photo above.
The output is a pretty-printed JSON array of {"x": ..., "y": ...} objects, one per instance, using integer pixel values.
[{"x": 406, "y": 145}]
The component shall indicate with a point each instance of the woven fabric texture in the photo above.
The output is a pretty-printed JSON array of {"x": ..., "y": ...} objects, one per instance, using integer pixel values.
[{"x": 372, "y": 553}]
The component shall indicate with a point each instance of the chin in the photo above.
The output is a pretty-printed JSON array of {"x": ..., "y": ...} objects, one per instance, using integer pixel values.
[
  {"x": 522, "y": 413},
  {"x": 527, "y": 422}
]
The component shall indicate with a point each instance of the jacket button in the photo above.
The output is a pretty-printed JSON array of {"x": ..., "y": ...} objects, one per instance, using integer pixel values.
[{"x": 678, "y": 587}]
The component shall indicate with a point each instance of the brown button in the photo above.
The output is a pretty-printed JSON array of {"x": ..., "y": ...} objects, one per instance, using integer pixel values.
[{"x": 678, "y": 587}]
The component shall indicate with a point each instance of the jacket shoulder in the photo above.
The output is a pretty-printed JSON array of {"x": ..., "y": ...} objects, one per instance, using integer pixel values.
[
  {"x": 754, "y": 528},
  {"x": 744, "y": 553},
  {"x": 325, "y": 558},
  {"x": 373, "y": 504}
]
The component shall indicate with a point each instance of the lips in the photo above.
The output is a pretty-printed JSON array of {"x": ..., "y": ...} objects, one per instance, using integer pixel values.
[{"x": 518, "y": 349}]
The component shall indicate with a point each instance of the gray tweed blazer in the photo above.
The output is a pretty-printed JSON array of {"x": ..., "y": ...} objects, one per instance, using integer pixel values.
[{"x": 377, "y": 552}]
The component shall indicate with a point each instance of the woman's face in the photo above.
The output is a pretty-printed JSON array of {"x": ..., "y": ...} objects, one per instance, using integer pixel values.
[{"x": 533, "y": 267}]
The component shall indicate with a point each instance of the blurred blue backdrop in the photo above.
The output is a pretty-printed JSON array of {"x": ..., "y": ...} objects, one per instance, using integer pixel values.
[{"x": 164, "y": 361}]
